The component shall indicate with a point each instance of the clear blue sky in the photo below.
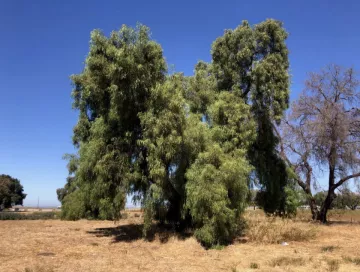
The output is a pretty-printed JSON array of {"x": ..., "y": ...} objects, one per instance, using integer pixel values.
[{"x": 43, "y": 42}]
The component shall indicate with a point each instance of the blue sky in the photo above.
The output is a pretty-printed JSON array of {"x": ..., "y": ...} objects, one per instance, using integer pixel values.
[{"x": 43, "y": 42}]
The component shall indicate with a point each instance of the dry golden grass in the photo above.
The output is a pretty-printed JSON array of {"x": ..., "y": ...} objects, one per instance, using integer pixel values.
[
  {"x": 274, "y": 230},
  {"x": 49, "y": 246}
]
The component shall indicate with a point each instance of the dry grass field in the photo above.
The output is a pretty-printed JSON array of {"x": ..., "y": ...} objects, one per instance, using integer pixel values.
[{"x": 54, "y": 245}]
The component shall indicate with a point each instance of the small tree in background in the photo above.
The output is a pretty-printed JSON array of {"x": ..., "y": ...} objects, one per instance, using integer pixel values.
[
  {"x": 347, "y": 199},
  {"x": 11, "y": 191}
]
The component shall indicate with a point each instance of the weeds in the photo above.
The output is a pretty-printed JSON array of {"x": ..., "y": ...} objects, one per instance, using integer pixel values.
[
  {"x": 38, "y": 269},
  {"x": 285, "y": 261},
  {"x": 254, "y": 266},
  {"x": 295, "y": 233},
  {"x": 328, "y": 248},
  {"x": 355, "y": 260},
  {"x": 273, "y": 230},
  {"x": 334, "y": 265},
  {"x": 218, "y": 247},
  {"x": 124, "y": 215}
]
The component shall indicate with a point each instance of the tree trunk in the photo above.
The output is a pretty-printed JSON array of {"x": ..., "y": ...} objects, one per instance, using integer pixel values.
[
  {"x": 322, "y": 216},
  {"x": 331, "y": 192},
  {"x": 313, "y": 208}
]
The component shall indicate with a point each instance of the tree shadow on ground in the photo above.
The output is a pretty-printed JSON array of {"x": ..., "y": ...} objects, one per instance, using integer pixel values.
[{"x": 134, "y": 232}]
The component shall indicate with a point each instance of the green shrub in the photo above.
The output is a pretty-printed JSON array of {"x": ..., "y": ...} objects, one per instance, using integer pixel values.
[
  {"x": 218, "y": 247},
  {"x": 31, "y": 216},
  {"x": 73, "y": 207},
  {"x": 215, "y": 212},
  {"x": 292, "y": 201}
]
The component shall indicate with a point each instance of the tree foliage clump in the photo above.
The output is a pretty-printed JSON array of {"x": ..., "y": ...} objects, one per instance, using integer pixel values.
[
  {"x": 254, "y": 62},
  {"x": 109, "y": 94},
  {"x": 217, "y": 182},
  {"x": 184, "y": 147},
  {"x": 11, "y": 192}
]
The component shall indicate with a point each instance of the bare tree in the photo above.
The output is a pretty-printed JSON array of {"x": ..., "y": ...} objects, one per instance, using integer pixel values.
[{"x": 323, "y": 130}]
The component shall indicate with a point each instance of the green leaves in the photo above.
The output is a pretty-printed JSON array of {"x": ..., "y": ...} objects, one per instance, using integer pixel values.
[
  {"x": 252, "y": 63},
  {"x": 110, "y": 95},
  {"x": 11, "y": 191},
  {"x": 217, "y": 181},
  {"x": 216, "y": 194},
  {"x": 181, "y": 145},
  {"x": 231, "y": 121}
]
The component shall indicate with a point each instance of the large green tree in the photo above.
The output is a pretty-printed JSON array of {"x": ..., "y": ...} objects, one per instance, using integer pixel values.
[
  {"x": 180, "y": 145},
  {"x": 11, "y": 191}
]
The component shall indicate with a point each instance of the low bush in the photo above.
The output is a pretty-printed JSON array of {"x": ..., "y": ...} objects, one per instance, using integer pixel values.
[
  {"x": 217, "y": 247},
  {"x": 29, "y": 216}
]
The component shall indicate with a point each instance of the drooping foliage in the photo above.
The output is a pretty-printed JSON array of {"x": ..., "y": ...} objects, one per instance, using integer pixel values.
[
  {"x": 110, "y": 93},
  {"x": 181, "y": 146},
  {"x": 217, "y": 184},
  {"x": 172, "y": 140},
  {"x": 254, "y": 62},
  {"x": 11, "y": 191}
]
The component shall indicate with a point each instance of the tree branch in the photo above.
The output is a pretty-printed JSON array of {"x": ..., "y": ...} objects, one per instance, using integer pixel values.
[{"x": 341, "y": 181}]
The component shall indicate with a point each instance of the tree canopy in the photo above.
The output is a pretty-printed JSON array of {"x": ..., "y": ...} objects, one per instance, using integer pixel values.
[
  {"x": 186, "y": 148},
  {"x": 11, "y": 191}
]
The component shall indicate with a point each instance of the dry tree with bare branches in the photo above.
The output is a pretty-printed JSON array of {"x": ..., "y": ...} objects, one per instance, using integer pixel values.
[{"x": 322, "y": 130}]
